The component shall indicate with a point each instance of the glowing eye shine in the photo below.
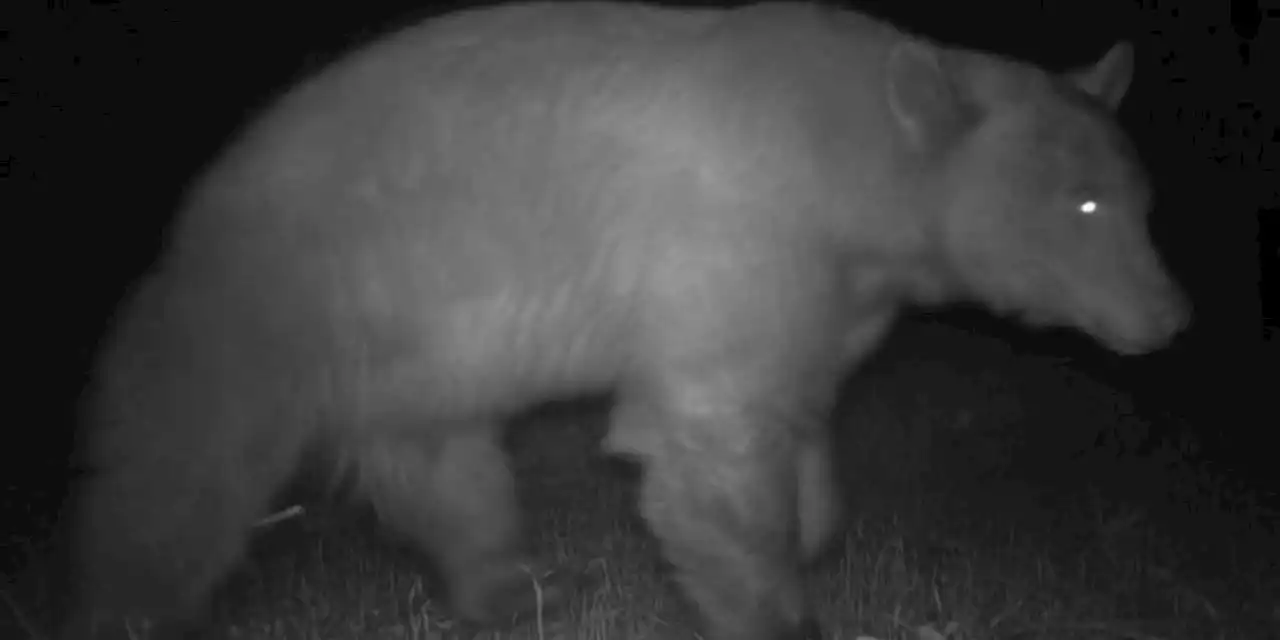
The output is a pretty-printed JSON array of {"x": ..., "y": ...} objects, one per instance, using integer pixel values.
[{"x": 1089, "y": 207}]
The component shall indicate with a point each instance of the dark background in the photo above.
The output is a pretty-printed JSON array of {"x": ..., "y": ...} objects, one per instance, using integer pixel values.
[{"x": 114, "y": 107}]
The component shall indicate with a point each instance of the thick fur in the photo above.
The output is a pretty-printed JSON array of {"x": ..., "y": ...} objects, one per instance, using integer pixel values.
[{"x": 713, "y": 213}]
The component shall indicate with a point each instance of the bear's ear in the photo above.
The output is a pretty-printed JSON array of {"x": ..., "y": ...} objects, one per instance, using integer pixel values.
[
  {"x": 1109, "y": 79},
  {"x": 923, "y": 95}
]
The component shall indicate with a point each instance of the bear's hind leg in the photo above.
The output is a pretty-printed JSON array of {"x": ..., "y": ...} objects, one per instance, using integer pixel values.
[
  {"x": 453, "y": 494},
  {"x": 158, "y": 529}
]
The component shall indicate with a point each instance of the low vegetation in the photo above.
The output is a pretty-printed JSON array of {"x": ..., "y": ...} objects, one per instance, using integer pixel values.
[{"x": 992, "y": 496}]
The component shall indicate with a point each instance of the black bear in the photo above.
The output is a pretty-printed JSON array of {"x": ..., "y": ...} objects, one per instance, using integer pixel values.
[{"x": 713, "y": 213}]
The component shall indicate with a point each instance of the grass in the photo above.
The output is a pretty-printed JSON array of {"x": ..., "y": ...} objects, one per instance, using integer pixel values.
[{"x": 991, "y": 519}]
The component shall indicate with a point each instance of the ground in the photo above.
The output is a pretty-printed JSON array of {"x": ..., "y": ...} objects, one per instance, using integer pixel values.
[{"x": 993, "y": 496}]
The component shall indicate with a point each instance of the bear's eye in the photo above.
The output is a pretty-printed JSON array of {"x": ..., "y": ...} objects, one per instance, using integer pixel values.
[{"x": 1086, "y": 200}]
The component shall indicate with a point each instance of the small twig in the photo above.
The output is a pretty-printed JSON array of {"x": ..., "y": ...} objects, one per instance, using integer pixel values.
[
  {"x": 17, "y": 613},
  {"x": 537, "y": 593},
  {"x": 295, "y": 510}
]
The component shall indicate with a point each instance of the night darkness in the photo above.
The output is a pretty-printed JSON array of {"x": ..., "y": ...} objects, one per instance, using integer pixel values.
[{"x": 114, "y": 108}]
